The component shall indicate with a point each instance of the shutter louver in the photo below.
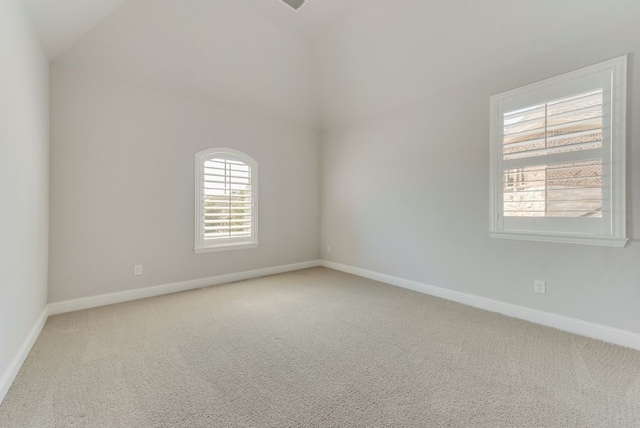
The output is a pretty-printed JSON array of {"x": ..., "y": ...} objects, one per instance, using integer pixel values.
[
  {"x": 227, "y": 204},
  {"x": 552, "y": 158},
  {"x": 566, "y": 125}
]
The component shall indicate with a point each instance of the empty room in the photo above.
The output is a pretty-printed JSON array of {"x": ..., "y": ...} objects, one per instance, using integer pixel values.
[{"x": 319, "y": 213}]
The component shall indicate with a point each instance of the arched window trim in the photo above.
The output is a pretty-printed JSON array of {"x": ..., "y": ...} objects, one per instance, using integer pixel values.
[{"x": 203, "y": 244}]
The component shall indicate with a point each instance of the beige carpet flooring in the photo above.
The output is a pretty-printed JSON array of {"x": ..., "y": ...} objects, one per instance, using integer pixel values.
[{"x": 316, "y": 348}]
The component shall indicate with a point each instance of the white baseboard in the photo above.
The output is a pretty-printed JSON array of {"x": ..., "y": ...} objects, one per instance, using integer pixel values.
[
  {"x": 11, "y": 373},
  {"x": 572, "y": 325},
  {"x": 584, "y": 328},
  {"x": 141, "y": 293}
]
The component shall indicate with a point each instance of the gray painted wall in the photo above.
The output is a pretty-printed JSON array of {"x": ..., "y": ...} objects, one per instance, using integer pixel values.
[
  {"x": 122, "y": 187},
  {"x": 24, "y": 174},
  {"x": 405, "y": 191}
]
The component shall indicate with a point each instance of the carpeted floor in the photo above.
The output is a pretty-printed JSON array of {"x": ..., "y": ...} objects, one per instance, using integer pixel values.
[{"x": 316, "y": 348}]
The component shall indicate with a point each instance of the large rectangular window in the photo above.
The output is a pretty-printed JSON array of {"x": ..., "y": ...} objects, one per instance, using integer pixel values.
[{"x": 557, "y": 158}]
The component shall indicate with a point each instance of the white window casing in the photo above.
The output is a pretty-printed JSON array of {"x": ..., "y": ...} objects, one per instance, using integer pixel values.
[
  {"x": 557, "y": 158},
  {"x": 226, "y": 202}
]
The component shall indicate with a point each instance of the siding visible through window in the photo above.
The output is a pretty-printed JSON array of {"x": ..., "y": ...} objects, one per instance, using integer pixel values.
[
  {"x": 558, "y": 158},
  {"x": 572, "y": 189}
]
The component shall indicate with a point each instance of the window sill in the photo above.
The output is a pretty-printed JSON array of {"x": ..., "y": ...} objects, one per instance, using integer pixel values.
[
  {"x": 604, "y": 241},
  {"x": 226, "y": 247}
]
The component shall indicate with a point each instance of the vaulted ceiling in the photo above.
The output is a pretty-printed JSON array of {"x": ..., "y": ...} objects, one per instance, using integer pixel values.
[
  {"x": 332, "y": 59},
  {"x": 61, "y": 23},
  {"x": 249, "y": 55}
]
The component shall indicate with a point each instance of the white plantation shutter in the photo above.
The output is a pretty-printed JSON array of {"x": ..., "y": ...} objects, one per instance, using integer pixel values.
[
  {"x": 552, "y": 158},
  {"x": 226, "y": 206},
  {"x": 226, "y": 210},
  {"x": 557, "y": 152}
]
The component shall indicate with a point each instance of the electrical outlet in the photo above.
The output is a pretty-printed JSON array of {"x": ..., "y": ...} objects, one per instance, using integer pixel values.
[
  {"x": 540, "y": 286},
  {"x": 137, "y": 269},
  {"x": 328, "y": 248}
]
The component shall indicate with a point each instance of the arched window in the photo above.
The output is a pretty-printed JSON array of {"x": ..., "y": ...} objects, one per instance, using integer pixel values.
[{"x": 226, "y": 200}]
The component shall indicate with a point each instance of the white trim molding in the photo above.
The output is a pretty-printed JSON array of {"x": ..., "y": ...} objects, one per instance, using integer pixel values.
[
  {"x": 10, "y": 375},
  {"x": 564, "y": 239},
  {"x": 159, "y": 290},
  {"x": 572, "y": 325}
]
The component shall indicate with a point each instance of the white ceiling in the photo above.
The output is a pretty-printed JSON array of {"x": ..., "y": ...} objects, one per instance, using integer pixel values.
[
  {"x": 249, "y": 55},
  {"x": 230, "y": 53},
  {"x": 311, "y": 22},
  {"x": 332, "y": 60},
  {"x": 389, "y": 54},
  {"x": 61, "y": 23}
]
